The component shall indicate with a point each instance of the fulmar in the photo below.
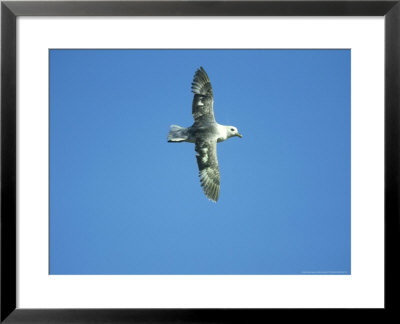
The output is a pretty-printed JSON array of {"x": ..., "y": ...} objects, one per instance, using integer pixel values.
[{"x": 205, "y": 133}]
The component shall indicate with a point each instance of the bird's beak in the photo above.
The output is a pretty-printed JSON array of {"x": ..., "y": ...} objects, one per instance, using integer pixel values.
[{"x": 240, "y": 135}]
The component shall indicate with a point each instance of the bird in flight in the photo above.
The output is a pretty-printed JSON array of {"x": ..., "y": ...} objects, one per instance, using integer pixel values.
[{"x": 205, "y": 133}]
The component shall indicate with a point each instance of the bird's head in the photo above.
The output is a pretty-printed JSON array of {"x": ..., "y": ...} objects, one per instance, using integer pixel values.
[{"x": 232, "y": 131}]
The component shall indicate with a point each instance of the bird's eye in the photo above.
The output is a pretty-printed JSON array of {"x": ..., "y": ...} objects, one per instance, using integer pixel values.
[{"x": 232, "y": 130}]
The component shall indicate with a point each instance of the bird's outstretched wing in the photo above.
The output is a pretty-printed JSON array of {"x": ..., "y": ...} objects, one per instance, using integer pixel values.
[
  {"x": 203, "y": 101},
  {"x": 208, "y": 168}
]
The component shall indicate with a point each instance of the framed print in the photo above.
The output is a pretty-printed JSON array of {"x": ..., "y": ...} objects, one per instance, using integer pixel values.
[{"x": 193, "y": 161}]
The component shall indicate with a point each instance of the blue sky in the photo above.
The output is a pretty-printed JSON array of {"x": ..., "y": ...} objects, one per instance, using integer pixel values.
[{"x": 124, "y": 201}]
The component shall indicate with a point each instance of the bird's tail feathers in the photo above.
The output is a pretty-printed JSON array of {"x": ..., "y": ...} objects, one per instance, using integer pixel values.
[{"x": 177, "y": 134}]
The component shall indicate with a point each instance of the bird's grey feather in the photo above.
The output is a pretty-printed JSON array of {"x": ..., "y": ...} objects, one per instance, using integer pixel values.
[
  {"x": 203, "y": 100},
  {"x": 208, "y": 167}
]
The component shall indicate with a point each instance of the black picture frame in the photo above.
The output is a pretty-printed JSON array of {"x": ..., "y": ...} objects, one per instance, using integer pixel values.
[{"x": 10, "y": 10}]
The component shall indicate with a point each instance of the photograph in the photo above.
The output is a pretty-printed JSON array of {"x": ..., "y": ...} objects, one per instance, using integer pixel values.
[{"x": 199, "y": 161}]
